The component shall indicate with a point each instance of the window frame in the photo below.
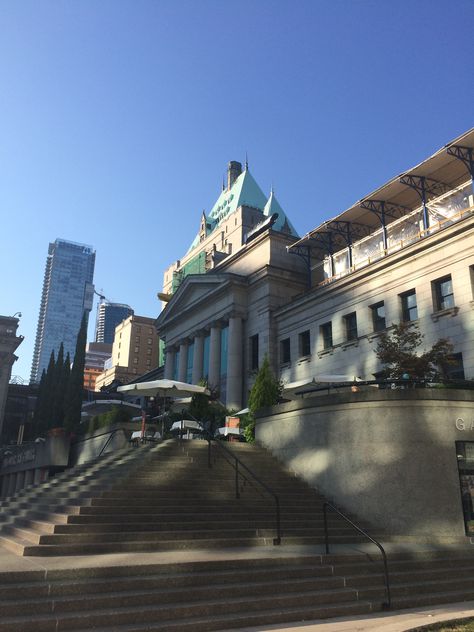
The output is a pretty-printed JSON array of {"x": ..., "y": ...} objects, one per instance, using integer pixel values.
[
  {"x": 304, "y": 343},
  {"x": 377, "y": 320}
]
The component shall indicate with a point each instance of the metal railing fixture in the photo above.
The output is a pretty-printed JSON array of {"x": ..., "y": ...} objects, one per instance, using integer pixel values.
[
  {"x": 387, "y": 604},
  {"x": 242, "y": 471},
  {"x": 102, "y": 434}
]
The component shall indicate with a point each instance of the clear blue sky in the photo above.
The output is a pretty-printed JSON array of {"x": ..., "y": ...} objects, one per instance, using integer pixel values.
[{"x": 117, "y": 119}]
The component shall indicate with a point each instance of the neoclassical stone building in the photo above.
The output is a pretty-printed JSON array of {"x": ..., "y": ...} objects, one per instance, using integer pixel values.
[
  {"x": 218, "y": 322},
  {"x": 249, "y": 287}
]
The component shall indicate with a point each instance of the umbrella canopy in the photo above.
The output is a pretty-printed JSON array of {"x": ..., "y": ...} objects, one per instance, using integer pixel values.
[
  {"x": 163, "y": 388},
  {"x": 185, "y": 425},
  {"x": 225, "y": 431}
]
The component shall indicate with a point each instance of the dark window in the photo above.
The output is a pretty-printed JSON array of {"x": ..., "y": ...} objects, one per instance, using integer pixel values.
[
  {"x": 304, "y": 344},
  {"x": 350, "y": 322},
  {"x": 455, "y": 369},
  {"x": 409, "y": 308},
  {"x": 285, "y": 351},
  {"x": 254, "y": 352},
  {"x": 378, "y": 316},
  {"x": 443, "y": 293},
  {"x": 326, "y": 333}
]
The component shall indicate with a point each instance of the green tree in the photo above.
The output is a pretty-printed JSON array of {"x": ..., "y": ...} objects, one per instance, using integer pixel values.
[
  {"x": 75, "y": 389},
  {"x": 398, "y": 352},
  {"x": 266, "y": 391},
  {"x": 57, "y": 391}
]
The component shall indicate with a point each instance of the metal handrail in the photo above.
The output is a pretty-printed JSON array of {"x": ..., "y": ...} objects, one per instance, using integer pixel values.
[
  {"x": 111, "y": 434},
  {"x": 386, "y": 605},
  {"x": 238, "y": 472}
]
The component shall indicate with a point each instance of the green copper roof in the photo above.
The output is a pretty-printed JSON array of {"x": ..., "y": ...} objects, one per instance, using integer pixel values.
[
  {"x": 283, "y": 224},
  {"x": 244, "y": 192}
]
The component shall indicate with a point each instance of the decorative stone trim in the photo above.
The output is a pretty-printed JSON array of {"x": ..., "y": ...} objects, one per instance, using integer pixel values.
[
  {"x": 324, "y": 352},
  {"x": 349, "y": 343},
  {"x": 451, "y": 311},
  {"x": 304, "y": 359}
]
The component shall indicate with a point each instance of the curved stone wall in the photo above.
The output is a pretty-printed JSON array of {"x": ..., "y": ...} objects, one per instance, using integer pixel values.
[{"x": 386, "y": 456}]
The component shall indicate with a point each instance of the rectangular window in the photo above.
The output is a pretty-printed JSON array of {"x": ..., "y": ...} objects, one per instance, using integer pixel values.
[
  {"x": 443, "y": 293},
  {"x": 137, "y": 338},
  {"x": 253, "y": 353},
  {"x": 148, "y": 351},
  {"x": 304, "y": 343},
  {"x": 378, "y": 316},
  {"x": 455, "y": 369},
  {"x": 150, "y": 341},
  {"x": 326, "y": 334},
  {"x": 135, "y": 360},
  {"x": 137, "y": 349},
  {"x": 148, "y": 362},
  {"x": 409, "y": 308},
  {"x": 285, "y": 351},
  {"x": 350, "y": 323}
]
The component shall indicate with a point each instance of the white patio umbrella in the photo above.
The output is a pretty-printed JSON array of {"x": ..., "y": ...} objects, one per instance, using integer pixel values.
[
  {"x": 163, "y": 388},
  {"x": 186, "y": 426}
]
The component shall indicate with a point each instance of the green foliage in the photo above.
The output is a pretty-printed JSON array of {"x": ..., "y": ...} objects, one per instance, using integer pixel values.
[
  {"x": 117, "y": 415},
  {"x": 397, "y": 350},
  {"x": 266, "y": 391},
  {"x": 75, "y": 388}
]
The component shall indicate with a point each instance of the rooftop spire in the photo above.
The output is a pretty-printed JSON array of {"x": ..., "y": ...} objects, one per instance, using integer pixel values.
[{"x": 246, "y": 162}]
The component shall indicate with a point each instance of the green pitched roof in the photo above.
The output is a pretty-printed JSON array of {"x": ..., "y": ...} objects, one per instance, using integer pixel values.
[
  {"x": 244, "y": 192},
  {"x": 282, "y": 224}
]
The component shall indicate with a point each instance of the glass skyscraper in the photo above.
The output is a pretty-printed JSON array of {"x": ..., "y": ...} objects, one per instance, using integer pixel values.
[
  {"x": 68, "y": 293},
  {"x": 109, "y": 315}
]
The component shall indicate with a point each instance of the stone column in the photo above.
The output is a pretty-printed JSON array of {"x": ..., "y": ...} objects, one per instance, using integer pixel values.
[
  {"x": 215, "y": 356},
  {"x": 198, "y": 357},
  {"x": 170, "y": 355},
  {"x": 234, "y": 364},
  {"x": 183, "y": 361}
]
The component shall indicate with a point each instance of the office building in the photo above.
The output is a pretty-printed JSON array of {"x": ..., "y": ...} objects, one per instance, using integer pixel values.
[
  {"x": 134, "y": 352},
  {"x": 97, "y": 354},
  {"x": 67, "y": 295},
  {"x": 109, "y": 315}
]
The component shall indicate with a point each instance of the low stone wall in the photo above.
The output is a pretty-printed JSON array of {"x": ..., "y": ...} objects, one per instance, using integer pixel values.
[{"x": 386, "y": 456}]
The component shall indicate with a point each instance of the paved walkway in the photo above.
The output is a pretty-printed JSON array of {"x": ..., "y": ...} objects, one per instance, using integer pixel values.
[{"x": 396, "y": 621}]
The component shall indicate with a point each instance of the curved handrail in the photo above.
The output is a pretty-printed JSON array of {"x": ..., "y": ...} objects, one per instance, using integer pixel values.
[
  {"x": 386, "y": 605},
  {"x": 236, "y": 463}
]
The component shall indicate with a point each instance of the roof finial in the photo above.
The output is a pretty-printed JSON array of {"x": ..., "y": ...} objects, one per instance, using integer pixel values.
[
  {"x": 223, "y": 183},
  {"x": 246, "y": 162},
  {"x": 272, "y": 190}
]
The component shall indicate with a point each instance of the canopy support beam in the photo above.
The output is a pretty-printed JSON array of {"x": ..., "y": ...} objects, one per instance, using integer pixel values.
[{"x": 465, "y": 154}]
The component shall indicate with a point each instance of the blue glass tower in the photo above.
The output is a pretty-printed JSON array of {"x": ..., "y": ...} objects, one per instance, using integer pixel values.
[
  {"x": 68, "y": 293},
  {"x": 109, "y": 315}
]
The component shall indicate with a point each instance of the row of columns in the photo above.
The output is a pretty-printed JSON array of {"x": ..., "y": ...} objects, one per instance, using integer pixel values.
[{"x": 234, "y": 359}]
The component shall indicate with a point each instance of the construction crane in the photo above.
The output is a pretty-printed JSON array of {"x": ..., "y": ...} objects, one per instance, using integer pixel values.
[{"x": 101, "y": 296}]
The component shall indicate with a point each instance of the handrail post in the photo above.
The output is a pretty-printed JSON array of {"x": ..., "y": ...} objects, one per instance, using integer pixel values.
[
  {"x": 387, "y": 604},
  {"x": 209, "y": 465},
  {"x": 326, "y": 533},
  {"x": 277, "y": 540},
  {"x": 237, "y": 493}
]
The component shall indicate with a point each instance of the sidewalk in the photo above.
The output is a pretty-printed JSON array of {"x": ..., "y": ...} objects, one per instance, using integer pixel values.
[{"x": 396, "y": 621}]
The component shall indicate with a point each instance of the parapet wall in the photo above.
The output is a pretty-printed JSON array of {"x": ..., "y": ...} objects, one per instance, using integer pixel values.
[{"x": 386, "y": 456}]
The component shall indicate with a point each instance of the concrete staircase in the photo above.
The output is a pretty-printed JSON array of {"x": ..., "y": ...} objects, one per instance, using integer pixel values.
[
  {"x": 166, "y": 498},
  {"x": 224, "y": 595}
]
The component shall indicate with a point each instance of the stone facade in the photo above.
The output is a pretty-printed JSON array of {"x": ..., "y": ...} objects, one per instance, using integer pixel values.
[{"x": 9, "y": 342}]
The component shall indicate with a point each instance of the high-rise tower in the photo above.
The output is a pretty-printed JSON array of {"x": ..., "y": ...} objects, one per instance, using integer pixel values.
[
  {"x": 68, "y": 293},
  {"x": 109, "y": 315}
]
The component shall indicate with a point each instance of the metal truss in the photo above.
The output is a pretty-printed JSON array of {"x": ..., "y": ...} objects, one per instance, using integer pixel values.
[
  {"x": 465, "y": 154},
  {"x": 425, "y": 186}
]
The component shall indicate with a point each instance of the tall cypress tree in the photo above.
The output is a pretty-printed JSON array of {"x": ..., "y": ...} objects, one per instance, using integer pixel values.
[
  {"x": 48, "y": 393},
  {"x": 59, "y": 386},
  {"x": 73, "y": 403},
  {"x": 38, "y": 418}
]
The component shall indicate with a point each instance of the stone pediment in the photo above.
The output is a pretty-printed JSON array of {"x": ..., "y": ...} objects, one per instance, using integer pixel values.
[{"x": 194, "y": 292}]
